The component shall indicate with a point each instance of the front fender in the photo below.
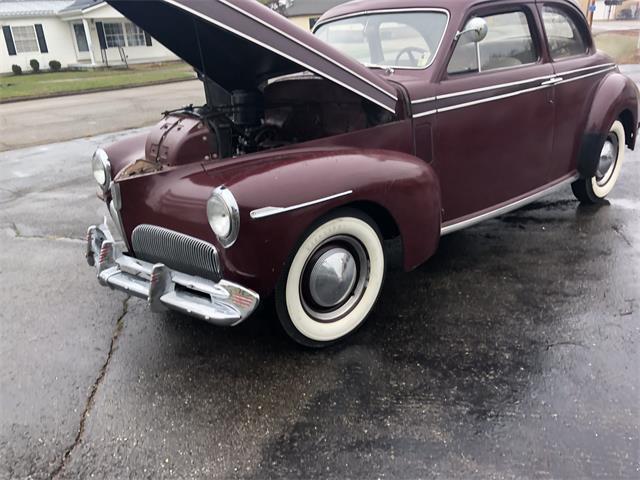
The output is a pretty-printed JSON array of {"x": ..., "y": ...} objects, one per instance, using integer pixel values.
[
  {"x": 405, "y": 186},
  {"x": 614, "y": 95}
]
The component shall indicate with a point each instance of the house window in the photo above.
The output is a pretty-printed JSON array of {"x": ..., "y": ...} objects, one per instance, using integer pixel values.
[
  {"x": 135, "y": 35},
  {"x": 114, "y": 35},
  {"x": 25, "y": 39}
]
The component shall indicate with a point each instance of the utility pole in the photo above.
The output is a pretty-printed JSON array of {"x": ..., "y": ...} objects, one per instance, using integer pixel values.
[{"x": 590, "y": 11}]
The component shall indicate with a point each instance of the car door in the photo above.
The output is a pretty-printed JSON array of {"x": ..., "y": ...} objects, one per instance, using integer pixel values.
[
  {"x": 494, "y": 122},
  {"x": 577, "y": 70}
]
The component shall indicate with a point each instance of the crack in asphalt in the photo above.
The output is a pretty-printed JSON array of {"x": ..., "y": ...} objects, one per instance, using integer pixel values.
[
  {"x": 567, "y": 343},
  {"x": 94, "y": 390},
  {"x": 18, "y": 234},
  {"x": 619, "y": 231},
  {"x": 22, "y": 193}
]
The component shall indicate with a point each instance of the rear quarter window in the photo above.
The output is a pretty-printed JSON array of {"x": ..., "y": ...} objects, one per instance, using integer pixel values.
[{"x": 563, "y": 33}]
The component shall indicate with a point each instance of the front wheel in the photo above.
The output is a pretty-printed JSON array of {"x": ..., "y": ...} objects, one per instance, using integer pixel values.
[
  {"x": 595, "y": 189},
  {"x": 333, "y": 281}
]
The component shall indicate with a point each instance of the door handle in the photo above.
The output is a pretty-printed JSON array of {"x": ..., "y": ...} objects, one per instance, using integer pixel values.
[{"x": 552, "y": 81}]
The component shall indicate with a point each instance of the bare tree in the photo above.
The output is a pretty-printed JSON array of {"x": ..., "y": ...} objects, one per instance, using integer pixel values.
[{"x": 278, "y": 5}]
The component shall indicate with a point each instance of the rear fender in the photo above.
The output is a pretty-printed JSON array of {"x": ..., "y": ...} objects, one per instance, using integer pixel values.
[{"x": 616, "y": 96}]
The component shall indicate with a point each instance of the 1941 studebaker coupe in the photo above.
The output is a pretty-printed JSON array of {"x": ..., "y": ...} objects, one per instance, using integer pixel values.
[{"x": 406, "y": 119}]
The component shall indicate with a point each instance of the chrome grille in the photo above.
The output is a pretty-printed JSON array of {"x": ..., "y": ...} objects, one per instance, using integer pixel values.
[{"x": 177, "y": 251}]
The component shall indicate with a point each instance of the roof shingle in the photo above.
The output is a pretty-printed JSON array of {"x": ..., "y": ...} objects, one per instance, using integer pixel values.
[{"x": 32, "y": 8}]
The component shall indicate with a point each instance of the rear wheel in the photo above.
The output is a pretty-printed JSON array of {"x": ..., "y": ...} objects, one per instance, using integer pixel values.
[
  {"x": 333, "y": 281},
  {"x": 595, "y": 189}
]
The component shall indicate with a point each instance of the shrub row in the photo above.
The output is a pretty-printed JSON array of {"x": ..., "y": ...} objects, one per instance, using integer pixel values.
[{"x": 54, "y": 65}]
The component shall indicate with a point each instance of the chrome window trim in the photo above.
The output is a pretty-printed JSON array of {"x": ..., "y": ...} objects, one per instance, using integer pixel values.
[
  {"x": 311, "y": 49},
  {"x": 275, "y": 50},
  {"x": 395, "y": 10},
  {"x": 270, "y": 211},
  {"x": 381, "y": 10},
  {"x": 454, "y": 227}
]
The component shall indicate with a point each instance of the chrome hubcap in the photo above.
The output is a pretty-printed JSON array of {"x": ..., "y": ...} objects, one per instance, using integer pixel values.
[
  {"x": 334, "y": 279},
  {"x": 608, "y": 159}
]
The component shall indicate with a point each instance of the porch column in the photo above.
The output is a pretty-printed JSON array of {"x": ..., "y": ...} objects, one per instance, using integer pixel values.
[{"x": 87, "y": 32}]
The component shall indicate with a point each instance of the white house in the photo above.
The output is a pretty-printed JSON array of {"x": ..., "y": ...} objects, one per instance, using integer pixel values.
[{"x": 77, "y": 33}]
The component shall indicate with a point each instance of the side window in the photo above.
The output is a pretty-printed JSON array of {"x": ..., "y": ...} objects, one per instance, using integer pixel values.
[
  {"x": 509, "y": 43},
  {"x": 563, "y": 35}
]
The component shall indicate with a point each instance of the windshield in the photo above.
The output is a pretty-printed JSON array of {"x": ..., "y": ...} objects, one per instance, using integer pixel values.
[{"x": 397, "y": 40}]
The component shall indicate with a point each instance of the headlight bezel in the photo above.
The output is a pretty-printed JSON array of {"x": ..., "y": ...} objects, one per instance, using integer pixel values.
[
  {"x": 226, "y": 199},
  {"x": 101, "y": 159}
]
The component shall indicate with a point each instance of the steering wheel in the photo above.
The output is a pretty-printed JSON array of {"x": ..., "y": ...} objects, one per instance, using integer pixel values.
[{"x": 409, "y": 51}]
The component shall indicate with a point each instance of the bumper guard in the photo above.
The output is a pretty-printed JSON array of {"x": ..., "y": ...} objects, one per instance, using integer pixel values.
[{"x": 222, "y": 303}]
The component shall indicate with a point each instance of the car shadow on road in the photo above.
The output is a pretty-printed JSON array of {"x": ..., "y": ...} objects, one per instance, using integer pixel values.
[{"x": 452, "y": 353}]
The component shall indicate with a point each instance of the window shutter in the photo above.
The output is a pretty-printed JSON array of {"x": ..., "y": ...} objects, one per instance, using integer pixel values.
[
  {"x": 147, "y": 39},
  {"x": 101, "y": 37},
  {"x": 8, "y": 38},
  {"x": 41, "y": 40}
]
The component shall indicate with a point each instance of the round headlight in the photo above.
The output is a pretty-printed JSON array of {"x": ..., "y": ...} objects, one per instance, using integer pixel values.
[
  {"x": 224, "y": 216},
  {"x": 101, "y": 168}
]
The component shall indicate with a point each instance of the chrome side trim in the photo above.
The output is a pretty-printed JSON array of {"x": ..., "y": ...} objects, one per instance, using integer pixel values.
[
  {"x": 548, "y": 82},
  {"x": 594, "y": 67},
  {"x": 447, "y": 229},
  {"x": 395, "y": 10},
  {"x": 491, "y": 99},
  {"x": 422, "y": 100},
  {"x": 275, "y": 50},
  {"x": 425, "y": 114},
  {"x": 567, "y": 80},
  {"x": 604, "y": 68},
  {"x": 311, "y": 49},
  {"x": 270, "y": 211},
  {"x": 493, "y": 87}
]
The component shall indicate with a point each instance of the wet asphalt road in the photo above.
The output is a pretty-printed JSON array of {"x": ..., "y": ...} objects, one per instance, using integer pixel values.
[{"x": 513, "y": 353}]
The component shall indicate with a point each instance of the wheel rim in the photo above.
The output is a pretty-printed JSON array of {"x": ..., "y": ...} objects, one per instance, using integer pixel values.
[
  {"x": 608, "y": 159},
  {"x": 334, "y": 279}
]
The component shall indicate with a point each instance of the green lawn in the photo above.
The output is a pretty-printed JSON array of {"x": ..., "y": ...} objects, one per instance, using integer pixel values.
[
  {"x": 621, "y": 45},
  {"x": 34, "y": 85}
]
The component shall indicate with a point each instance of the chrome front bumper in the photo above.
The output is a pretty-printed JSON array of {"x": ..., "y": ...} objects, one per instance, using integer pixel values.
[{"x": 222, "y": 303}]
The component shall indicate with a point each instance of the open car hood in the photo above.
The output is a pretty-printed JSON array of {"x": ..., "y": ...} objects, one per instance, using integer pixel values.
[{"x": 241, "y": 43}]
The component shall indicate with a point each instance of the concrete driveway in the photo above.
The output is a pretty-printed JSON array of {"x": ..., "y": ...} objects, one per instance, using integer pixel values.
[
  {"x": 37, "y": 122},
  {"x": 513, "y": 353}
]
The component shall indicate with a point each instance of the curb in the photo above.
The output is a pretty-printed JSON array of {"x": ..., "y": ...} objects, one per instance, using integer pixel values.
[{"x": 95, "y": 90}]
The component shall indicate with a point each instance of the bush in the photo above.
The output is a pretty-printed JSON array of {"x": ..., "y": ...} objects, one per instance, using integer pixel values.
[
  {"x": 55, "y": 65},
  {"x": 17, "y": 69},
  {"x": 35, "y": 65}
]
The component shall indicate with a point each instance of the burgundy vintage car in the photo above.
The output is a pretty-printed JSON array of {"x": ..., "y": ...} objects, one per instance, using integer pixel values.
[{"x": 406, "y": 119}]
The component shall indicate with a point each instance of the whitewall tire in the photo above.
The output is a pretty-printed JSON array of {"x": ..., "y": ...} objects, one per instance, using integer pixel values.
[
  {"x": 595, "y": 189},
  {"x": 333, "y": 280}
]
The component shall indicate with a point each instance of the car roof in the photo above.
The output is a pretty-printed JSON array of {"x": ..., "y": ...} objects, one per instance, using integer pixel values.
[{"x": 358, "y": 6}]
